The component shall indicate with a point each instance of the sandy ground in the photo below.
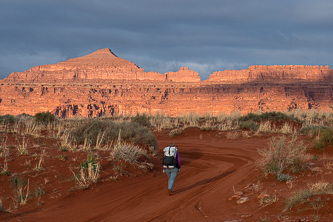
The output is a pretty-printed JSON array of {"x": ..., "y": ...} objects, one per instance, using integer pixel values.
[{"x": 213, "y": 169}]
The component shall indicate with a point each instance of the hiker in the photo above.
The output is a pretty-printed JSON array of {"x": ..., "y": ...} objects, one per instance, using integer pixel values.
[{"x": 171, "y": 164}]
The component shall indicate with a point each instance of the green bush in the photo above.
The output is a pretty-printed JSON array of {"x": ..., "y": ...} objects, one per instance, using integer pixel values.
[
  {"x": 304, "y": 196},
  {"x": 249, "y": 124},
  {"x": 142, "y": 119},
  {"x": 325, "y": 139},
  {"x": 312, "y": 129},
  {"x": 90, "y": 159},
  {"x": 298, "y": 197},
  {"x": 283, "y": 177},
  {"x": 278, "y": 116},
  {"x": 7, "y": 119},
  {"x": 45, "y": 117},
  {"x": 17, "y": 182}
]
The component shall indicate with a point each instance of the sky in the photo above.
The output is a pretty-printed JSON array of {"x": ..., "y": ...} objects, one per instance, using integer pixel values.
[{"x": 162, "y": 36}]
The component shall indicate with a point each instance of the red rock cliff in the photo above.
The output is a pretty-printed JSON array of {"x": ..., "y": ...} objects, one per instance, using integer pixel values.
[
  {"x": 102, "y": 65},
  {"x": 286, "y": 73},
  {"x": 103, "y": 84}
]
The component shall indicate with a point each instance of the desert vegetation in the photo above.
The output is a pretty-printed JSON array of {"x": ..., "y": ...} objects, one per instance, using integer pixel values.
[
  {"x": 96, "y": 150},
  {"x": 34, "y": 145}
]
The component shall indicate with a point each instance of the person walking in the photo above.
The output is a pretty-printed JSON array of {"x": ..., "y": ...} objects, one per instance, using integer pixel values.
[{"x": 171, "y": 164}]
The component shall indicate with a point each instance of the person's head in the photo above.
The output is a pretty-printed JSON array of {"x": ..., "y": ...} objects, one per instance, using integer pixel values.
[{"x": 172, "y": 144}]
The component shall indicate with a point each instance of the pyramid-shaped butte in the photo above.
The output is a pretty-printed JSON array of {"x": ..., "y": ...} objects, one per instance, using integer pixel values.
[
  {"x": 101, "y": 56},
  {"x": 102, "y": 65}
]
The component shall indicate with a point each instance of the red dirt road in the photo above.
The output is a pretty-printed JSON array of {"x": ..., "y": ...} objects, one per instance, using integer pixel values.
[{"x": 212, "y": 169}]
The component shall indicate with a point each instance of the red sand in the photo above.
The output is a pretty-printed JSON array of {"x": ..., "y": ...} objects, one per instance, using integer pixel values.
[{"x": 212, "y": 169}]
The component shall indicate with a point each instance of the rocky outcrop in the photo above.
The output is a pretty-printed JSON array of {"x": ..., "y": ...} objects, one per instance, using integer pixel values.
[
  {"x": 286, "y": 73},
  {"x": 103, "y": 84},
  {"x": 67, "y": 100},
  {"x": 183, "y": 75},
  {"x": 100, "y": 66}
]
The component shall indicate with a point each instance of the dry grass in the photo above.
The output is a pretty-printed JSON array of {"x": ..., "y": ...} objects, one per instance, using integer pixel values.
[
  {"x": 283, "y": 155},
  {"x": 227, "y": 125},
  {"x": 31, "y": 127},
  {"x": 4, "y": 151},
  {"x": 21, "y": 189},
  {"x": 319, "y": 187},
  {"x": 127, "y": 152},
  {"x": 303, "y": 196},
  {"x": 265, "y": 126},
  {"x": 190, "y": 119},
  {"x": 99, "y": 140},
  {"x": 286, "y": 128},
  {"x": 23, "y": 197},
  {"x": 246, "y": 134},
  {"x": 89, "y": 172},
  {"x": 220, "y": 117},
  {"x": 257, "y": 187},
  {"x": 176, "y": 132},
  {"x": 4, "y": 169},
  {"x": 160, "y": 122},
  {"x": 22, "y": 147},
  {"x": 232, "y": 135},
  {"x": 38, "y": 166},
  {"x": 86, "y": 145},
  {"x": 81, "y": 180},
  {"x": 268, "y": 200}
]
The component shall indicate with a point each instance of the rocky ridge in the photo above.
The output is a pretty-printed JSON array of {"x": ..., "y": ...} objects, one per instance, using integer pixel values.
[{"x": 103, "y": 84}]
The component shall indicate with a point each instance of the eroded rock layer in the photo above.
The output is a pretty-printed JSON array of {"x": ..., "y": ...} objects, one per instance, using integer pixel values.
[
  {"x": 285, "y": 73},
  {"x": 103, "y": 84},
  {"x": 97, "y": 100},
  {"x": 100, "y": 66}
]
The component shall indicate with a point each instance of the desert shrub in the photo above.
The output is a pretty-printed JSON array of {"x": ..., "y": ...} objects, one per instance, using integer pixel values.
[
  {"x": 283, "y": 155},
  {"x": 249, "y": 124},
  {"x": 190, "y": 119},
  {"x": 7, "y": 119},
  {"x": 45, "y": 118},
  {"x": 286, "y": 128},
  {"x": 90, "y": 160},
  {"x": 176, "y": 132},
  {"x": 127, "y": 152},
  {"x": 226, "y": 125},
  {"x": 232, "y": 135},
  {"x": 283, "y": 177},
  {"x": 277, "y": 116},
  {"x": 248, "y": 117},
  {"x": 142, "y": 119},
  {"x": 312, "y": 130},
  {"x": 325, "y": 139},
  {"x": 21, "y": 188},
  {"x": 160, "y": 122},
  {"x": 297, "y": 197},
  {"x": 265, "y": 127},
  {"x": 87, "y": 175},
  {"x": 129, "y": 131},
  {"x": 304, "y": 196}
]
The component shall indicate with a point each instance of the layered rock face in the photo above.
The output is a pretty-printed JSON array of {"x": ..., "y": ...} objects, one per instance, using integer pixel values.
[
  {"x": 286, "y": 73},
  {"x": 102, "y": 65},
  {"x": 97, "y": 100},
  {"x": 103, "y": 84}
]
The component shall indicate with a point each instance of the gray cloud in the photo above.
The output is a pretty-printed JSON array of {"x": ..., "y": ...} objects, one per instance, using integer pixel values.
[{"x": 163, "y": 36}]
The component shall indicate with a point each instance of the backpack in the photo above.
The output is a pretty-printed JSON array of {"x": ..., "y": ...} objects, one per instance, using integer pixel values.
[{"x": 169, "y": 158}]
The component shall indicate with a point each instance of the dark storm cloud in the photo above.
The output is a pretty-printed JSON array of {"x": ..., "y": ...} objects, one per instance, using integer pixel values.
[{"x": 162, "y": 36}]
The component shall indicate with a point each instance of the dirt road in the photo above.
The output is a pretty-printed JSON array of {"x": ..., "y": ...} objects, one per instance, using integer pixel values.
[{"x": 212, "y": 169}]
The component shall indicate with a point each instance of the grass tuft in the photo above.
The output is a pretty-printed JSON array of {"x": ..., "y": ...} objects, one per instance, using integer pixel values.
[{"x": 283, "y": 155}]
